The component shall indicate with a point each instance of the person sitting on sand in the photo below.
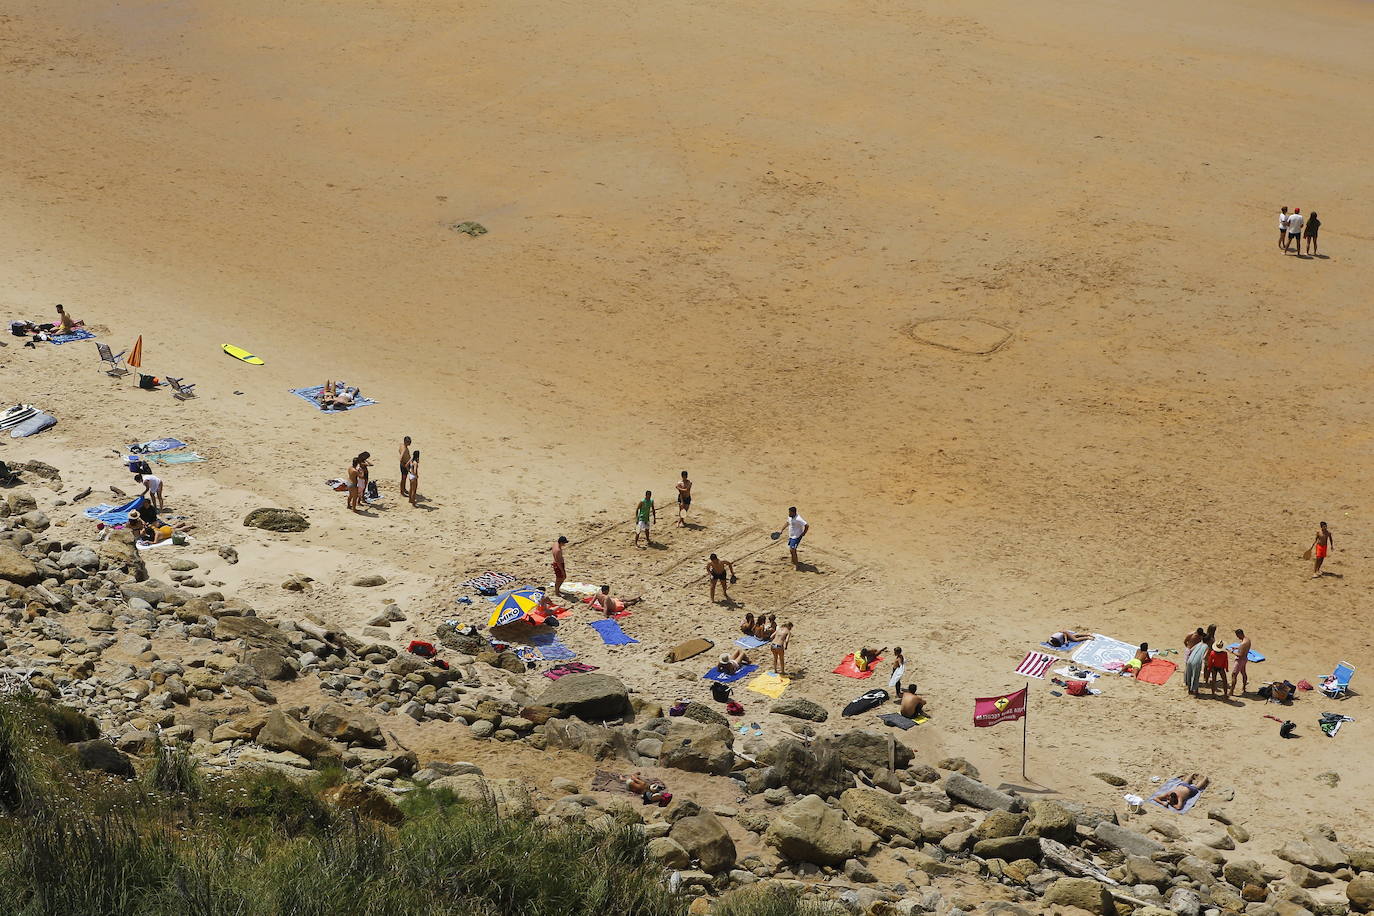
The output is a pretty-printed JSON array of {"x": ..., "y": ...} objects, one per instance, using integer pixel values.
[
  {"x": 610, "y": 605},
  {"x": 149, "y": 534},
  {"x": 747, "y": 626},
  {"x": 1067, "y": 637},
  {"x": 65, "y": 323},
  {"x": 913, "y": 704},
  {"x": 865, "y": 657},
  {"x": 766, "y": 626},
  {"x": 733, "y": 661},
  {"x": 1178, "y": 796}
]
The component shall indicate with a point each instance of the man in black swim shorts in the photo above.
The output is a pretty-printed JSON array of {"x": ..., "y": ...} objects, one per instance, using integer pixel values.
[
  {"x": 684, "y": 499},
  {"x": 718, "y": 568}
]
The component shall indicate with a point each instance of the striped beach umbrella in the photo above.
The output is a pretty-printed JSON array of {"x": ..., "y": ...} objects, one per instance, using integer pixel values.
[{"x": 515, "y": 605}]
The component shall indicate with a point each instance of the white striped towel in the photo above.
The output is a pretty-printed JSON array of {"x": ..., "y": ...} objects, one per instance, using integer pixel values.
[{"x": 1035, "y": 664}]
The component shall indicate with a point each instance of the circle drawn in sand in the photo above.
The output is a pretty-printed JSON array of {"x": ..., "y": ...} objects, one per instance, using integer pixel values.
[{"x": 962, "y": 335}]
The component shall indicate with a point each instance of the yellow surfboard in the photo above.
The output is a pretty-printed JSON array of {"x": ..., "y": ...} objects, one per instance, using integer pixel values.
[{"x": 242, "y": 354}]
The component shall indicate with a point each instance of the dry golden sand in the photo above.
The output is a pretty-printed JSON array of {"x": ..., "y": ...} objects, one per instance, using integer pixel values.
[{"x": 719, "y": 236}]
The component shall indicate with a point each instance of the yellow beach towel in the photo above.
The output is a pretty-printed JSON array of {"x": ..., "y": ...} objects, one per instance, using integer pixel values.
[{"x": 769, "y": 684}]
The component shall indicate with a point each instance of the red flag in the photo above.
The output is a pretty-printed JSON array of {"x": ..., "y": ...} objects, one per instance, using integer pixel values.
[{"x": 994, "y": 710}]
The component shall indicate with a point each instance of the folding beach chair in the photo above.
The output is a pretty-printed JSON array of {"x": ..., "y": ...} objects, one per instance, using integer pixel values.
[
  {"x": 180, "y": 391},
  {"x": 1339, "y": 685},
  {"x": 111, "y": 360}
]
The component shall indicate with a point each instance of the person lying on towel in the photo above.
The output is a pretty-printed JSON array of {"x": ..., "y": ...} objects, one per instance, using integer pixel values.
[
  {"x": 1067, "y": 637},
  {"x": 1178, "y": 796},
  {"x": 865, "y": 657},
  {"x": 732, "y": 661}
]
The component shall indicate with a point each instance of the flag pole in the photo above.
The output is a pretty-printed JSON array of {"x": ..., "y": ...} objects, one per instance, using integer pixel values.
[{"x": 1025, "y": 721}]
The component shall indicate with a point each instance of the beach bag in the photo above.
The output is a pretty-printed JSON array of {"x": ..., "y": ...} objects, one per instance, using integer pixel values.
[
  {"x": 720, "y": 692},
  {"x": 147, "y": 382},
  {"x": 734, "y": 708},
  {"x": 421, "y": 648},
  {"x": 1281, "y": 692},
  {"x": 1076, "y": 688},
  {"x": 678, "y": 708},
  {"x": 1286, "y": 729}
]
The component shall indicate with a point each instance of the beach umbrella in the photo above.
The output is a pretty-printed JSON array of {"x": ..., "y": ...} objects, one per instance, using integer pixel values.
[
  {"x": 515, "y": 605},
  {"x": 135, "y": 357}
]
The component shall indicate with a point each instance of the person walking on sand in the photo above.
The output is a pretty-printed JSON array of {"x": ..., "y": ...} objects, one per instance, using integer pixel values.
[
  {"x": 1310, "y": 232},
  {"x": 718, "y": 569},
  {"x": 152, "y": 488},
  {"x": 1283, "y": 225},
  {"x": 1321, "y": 546},
  {"x": 1295, "y": 223},
  {"x": 413, "y": 476},
  {"x": 684, "y": 499},
  {"x": 560, "y": 568},
  {"x": 796, "y": 528},
  {"x": 1238, "y": 673},
  {"x": 405, "y": 465},
  {"x": 781, "y": 640},
  {"x": 644, "y": 513}
]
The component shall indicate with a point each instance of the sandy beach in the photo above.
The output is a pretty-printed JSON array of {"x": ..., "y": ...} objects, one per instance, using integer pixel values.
[{"x": 988, "y": 290}]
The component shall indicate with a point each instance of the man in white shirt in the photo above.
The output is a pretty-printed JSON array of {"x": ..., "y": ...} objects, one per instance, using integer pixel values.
[
  {"x": 1295, "y": 223},
  {"x": 1283, "y": 225},
  {"x": 796, "y": 528},
  {"x": 152, "y": 489}
]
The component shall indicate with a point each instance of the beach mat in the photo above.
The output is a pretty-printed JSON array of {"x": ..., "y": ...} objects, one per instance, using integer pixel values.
[
  {"x": 769, "y": 684},
  {"x": 606, "y": 781},
  {"x": 751, "y": 642},
  {"x": 1187, "y": 806},
  {"x": 1101, "y": 651},
  {"x": 155, "y": 445},
  {"x": 494, "y": 580},
  {"x": 897, "y": 720},
  {"x": 715, "y": 674},
  {"x": 145, "y": 545},
  {"x": 1251, "y": 656},
  {"x": 689, "y": 649},
  {"x": 113, "y": 515},
  {"x": 610, "y": 633},
  {"x": 58, "y": 340},
  {"x": 558, "y": 671},
  {"x": 1156, "y": 671},
  {"x": 551, "y": 648},
  {"x": 176, "y": 458},
  {"x": 1035, "y": 664},
  {"x": 848, "y": 669},
  {"x": 1067, "y": 647},
  {"x": 311, "y": 397}
]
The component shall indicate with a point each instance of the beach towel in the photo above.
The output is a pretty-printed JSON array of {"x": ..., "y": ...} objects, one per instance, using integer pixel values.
[
  {"x": 58, "y": 340},
  {"x": 610, "y": 633},
  {"x": 1035, "y": 664},
  {"x": 113, "y": 515},
  {"x": 177, "y": 458},
  {"x": 311, "y": 396},
  {"x": 550, "y": 647},
  {"x": 620, "y": 611},
  {"x": 896, "y": 678},
  {"x": 689, "y": 649},
  {"x": 1157, "y": 671},
  {"x": 155, "y": 445},
  {"x": 751, "y": 642},
  {"x": 896, "y": 720},
  {"x": 715, "y": 674},
  {"x": 848, "y": 668},
  {"x": 578, "y": 589},
  {"x": 1067, "y": 647},
  {"x": 558, "y": 671},
  {"x": 144, "y": 545},
  {"x": 769, "y": 684},
  {"x": 1176, "y": 781},
  {"x": 606, "y": 781},
  {"x": 1101, "y": 650},
  {"x": 493, "y": 580},
  {"x": 1252, "y": 655}
]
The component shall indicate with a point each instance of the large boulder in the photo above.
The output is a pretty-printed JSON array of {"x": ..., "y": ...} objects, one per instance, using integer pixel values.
[
  {"x": 1050, "y": 819},
  {"x": 369, "y": 801},
  {"x": 351, "y": 726},
  {"x": 1360, "y": 893},
  {"x": 276, "y": 520},
  {"x": 1127, "y": 840},
  {"x": 254, "y": 630},
  {"x": 970, "y": 791},
  {"x": 668, "y": 853},
  {"x": 593, "y": 740},
  {"x": 282, "y": 733},
  {"x": 806, "y": 770},
  {"x": 588, "y": 696},
  {"x": 1084, "y": 893},
  {"x": 705, "y": 839},
  {"x": 1240, "y": 872},
  {"x": 78, "y": 557},
  {"x": 809, "y": 830},
  {"x": 1009, "y": 848},
  {"x": 269, "y": 663},
  {"x": 17, "y": 568},
  {"x": 868, "y": 751},
  {"x": 509, "y": 796},
  {"x": 1329, "y": 855},
  {"x": 881, "y": 813},
  {"x": 104, "y": 756},
  {"x": 697, "y": 748},
  {"x": 1000, "y": 823},
  {"x": 118, "y": 552},
  {"x": 800, "y": 708}
]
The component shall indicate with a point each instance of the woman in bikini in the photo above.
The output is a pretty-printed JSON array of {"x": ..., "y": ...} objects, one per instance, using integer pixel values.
[
  {"x": 1178, "y": 796},
  {"x": 413, "y": 477},
  {"x": 747, "y": 626},
  {"x": 355, "y": 478},
  {"x": 778, "y": 647}
]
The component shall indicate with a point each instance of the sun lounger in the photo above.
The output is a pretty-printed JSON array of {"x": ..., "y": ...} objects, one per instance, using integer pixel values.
[
  {"x": 111, "y": 360},
  {"x": 180, "y": 390},
  {"x": 1337, "y": 684}
]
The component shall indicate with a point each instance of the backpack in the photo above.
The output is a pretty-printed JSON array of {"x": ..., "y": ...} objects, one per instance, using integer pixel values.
[{"x": 147, "y": 382}]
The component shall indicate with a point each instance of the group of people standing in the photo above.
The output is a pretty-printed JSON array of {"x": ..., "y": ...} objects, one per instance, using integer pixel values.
[
  {"x": 361, "y": 488},
  {"x": 1294, "y": 228},
  {"x": 1208, "y": 663}
]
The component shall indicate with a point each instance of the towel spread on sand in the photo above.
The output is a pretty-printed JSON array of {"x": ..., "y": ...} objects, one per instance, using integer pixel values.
[
  {"x": 1156, "y": 671},
  {"x": 751, "y": 642},
  {"x": 1101, "y": 650},
  {"x": 610, "y": 632},
  {"x": 897, "y": 720},
  {"x": 605, "y": 781},
  {"x": 145, "y": 545},
  {"x": 849, "y": 669},
  {"x": 558, "y": 671},
  {"x": 58, "y": 340},
  {"x": 715, "y": 675},
  {"x": 155, "y": 445},
  {"x": 311, "y": 396},
  {"x": 620, "y": 609},
  {"x": 177, "y": 458},
  {"x": 1067, "y": 647},
  {"x": 1035, "y": 664},
  {"x": 1176, "y": 781},
  {"x": 493, "y": 580},
  {"x": 769, "y": 684},
  {"x": 1252, "y": 655},
  {"x": 551, "y": 648},
  {"x": 113, "y": 515},
  {"x": 690, "y": 648}
]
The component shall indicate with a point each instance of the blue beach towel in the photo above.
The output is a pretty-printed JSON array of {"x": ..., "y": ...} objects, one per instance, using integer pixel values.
[
  {"x": 1252, "y": 655},
  {"x": 113, "y": 515},
  {"x": 610, "y": 632},
  {"x": 551, "y": 648},
  {"x": 751, "y": 642},
  {"x": 1069, "y": 647},
  {"x": 76, "y": 334},
  {"x": 715, "y": 675},
  {"x": 312, "y": 395},
  {"x": 1176, "y": 781},
  {"x": 156, "y": 445}
]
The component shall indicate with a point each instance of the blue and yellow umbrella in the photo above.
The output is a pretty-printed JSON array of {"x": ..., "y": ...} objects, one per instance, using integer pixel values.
[{"x": 515, "y": 605}]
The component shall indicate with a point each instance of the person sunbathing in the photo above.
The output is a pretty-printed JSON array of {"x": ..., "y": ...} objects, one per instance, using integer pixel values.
[
  {"x": 731, "y": 662},
  {"x": 1067, "y": 637},
  {"x": 65, "y": 323},
  {"x": 1178, "y": 796},
  {"x": 765, "y": 627},
  {"x": 149, "y": 534},
  {"x": 343, "y": 400},
  {"x": 865, "y": 657},
  {"x": 1137, "y": 661},
  {"x": 913, "y": 704},
  {"x": 653, "y": 793},
  {"x": 610, "y": 605}
]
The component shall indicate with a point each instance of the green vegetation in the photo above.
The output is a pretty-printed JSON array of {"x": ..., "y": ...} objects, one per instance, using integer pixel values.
[{"x": 176, "y": 842}]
